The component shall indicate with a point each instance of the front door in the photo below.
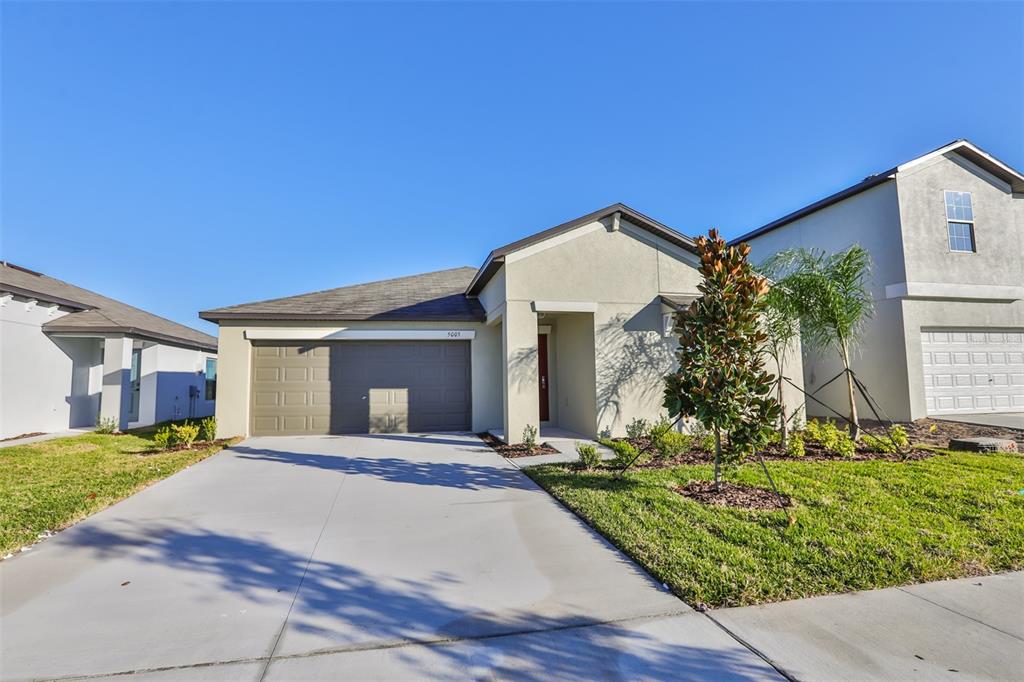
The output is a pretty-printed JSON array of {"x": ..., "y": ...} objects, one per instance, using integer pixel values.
[
  {"x": 542, "y": 368},
  {"x": 135, "y": 379}
]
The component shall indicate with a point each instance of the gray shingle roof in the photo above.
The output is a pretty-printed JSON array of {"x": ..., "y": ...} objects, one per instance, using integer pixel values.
[
  {"x": 95, "y": 313},
  {"x": 431, "y": 296}
]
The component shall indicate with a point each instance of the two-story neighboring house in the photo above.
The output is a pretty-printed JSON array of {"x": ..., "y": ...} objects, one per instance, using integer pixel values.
[{"x": 946, "y": 234}]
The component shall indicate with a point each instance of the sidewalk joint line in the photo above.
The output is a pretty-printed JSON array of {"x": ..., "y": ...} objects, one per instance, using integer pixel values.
[{"x": 962, "y": 615}]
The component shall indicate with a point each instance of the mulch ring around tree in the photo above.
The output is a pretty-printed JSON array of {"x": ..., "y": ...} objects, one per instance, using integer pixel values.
[
  {"x": 512, "y": 451},
  {"x": 731, "y": 495}
]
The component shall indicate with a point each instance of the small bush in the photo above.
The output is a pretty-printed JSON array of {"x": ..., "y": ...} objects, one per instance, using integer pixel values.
[
  {"x": 845, "y": 445},
  {"x": 208, "y": 429},
  {"x": 589, "y": 456},
  {"x": 830, "y": 437},
  {"x": 878, "y": 444},
  {"x": 638, "y": 428},
  {"x": 671, "y": 444},
  {"x": 703, "y": 439},
  {"x": 106, "y": 425},
  {"x": 899, "y": 437},
  {"x": 162, "y": 438},
  {"x": 184, "y": 434},
  {"x": 625, "y": 452},
  {"x": 795, "y": 445},
  {"x": 530, "y": 437}
]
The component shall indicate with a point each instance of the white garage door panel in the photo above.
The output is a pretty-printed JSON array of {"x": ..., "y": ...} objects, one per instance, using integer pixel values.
[{"x": 973, "y": 370}]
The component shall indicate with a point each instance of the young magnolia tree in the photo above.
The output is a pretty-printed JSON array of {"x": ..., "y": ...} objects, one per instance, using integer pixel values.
[
  {"x": 721, "y": 381},
  {"x": 831, "y": 297},
  {"x": 780, "y": 323}
]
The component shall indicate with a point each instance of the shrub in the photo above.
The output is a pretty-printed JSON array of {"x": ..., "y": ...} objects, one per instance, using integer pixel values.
[
  {"x": 530, "y": 437},
  {"x": 845, "y": 445},
  {"x": 878, "y": 444},
  {"x": 162, "y": 438},
  {"x": 830, "y": 437},
  {"x": 671, "y": 444},
  {"x": 625, "y": 452},
  {"x": 638, "y": 428},
  {"x": 899, "y": 437},
  {"x": 702, "y": 438},
  {"x": 208, "y": 429},
  {"x": 184, "y": 434},
  {"x": 589, "y": 456},
  {"x": 795, "y": 444},
  {"x": 106, "y": 425}
]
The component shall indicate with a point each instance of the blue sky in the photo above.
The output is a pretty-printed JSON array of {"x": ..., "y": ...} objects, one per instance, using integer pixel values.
[{"x": 183, "y": 156}]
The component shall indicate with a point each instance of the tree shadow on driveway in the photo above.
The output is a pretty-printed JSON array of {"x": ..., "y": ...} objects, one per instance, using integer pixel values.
[
  {"x": 347, "y": 609},
  {"x": 396, "y": 469}
]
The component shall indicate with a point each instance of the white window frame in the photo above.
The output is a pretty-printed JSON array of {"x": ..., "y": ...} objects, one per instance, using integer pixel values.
[{"x": 961, "y": 221}]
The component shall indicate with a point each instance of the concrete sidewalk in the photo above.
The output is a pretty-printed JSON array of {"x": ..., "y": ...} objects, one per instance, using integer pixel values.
[
  {"x": 969, "y": 629},
  {"x": 44, "y": 436}
]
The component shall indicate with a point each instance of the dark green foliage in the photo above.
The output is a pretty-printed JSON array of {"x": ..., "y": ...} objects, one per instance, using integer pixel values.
[
  {"x": 589, "y": 456},
  {"x": 721, "y": 381}
]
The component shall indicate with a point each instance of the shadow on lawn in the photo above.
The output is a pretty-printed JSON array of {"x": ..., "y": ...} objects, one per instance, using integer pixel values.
[{"x": 343, "y": 607}]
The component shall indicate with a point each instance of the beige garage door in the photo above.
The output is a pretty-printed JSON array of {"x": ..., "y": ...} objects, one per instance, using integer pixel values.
[{"x": 360, "y": 387}]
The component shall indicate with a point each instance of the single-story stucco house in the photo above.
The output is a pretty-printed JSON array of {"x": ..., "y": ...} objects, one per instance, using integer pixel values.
[
  {"x": 569, "y": 328},
  {"x": 945, "y": 232},
  {"x": 69, "y": 356}
]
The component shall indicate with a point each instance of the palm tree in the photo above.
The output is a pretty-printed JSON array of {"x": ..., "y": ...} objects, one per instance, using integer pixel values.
[{"x": 830, "y": 295}]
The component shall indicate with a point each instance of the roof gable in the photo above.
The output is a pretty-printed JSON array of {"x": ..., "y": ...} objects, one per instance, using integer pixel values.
[
  {"x": 496, "y": 257},
  {"x": 964, "y": 148}
]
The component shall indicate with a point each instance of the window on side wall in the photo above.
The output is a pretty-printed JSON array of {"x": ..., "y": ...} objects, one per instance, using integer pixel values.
[
  {"x": 211, "y": 379},
  {"x": 960, "y": 222}
]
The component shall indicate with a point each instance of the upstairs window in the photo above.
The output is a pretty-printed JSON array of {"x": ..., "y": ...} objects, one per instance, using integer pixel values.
[
  {"x": 960, "y": 222},
  {"x": 211, "y": 379}
]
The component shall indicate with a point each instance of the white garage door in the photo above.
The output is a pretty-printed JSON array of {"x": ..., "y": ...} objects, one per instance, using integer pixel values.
[{"x": 973, "y": 370}]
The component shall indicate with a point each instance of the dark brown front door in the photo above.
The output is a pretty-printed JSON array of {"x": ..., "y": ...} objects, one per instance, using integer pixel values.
[{"x": 542, "y": 368}]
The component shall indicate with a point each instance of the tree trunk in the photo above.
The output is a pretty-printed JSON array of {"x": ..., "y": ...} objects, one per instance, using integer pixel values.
[
  {"x": 784, "y": 423},
  {"x": 854, "y": 421},
  {"x": 718, "y": 460}
]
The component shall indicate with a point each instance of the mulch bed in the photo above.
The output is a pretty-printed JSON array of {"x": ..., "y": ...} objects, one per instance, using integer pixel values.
[
  {"x": 223, "y": 442},
  {"x": 731, "y": 495},
  {"x": 930, "y": 432},
  {"x": 512, "y": 451}
]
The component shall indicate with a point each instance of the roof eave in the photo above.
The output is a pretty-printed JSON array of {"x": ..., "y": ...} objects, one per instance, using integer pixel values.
[
  {"x": 51, "y": 328},
  {"x": 29, "y": 293},
  {"x": 214, "y": 316},
  {"x": 852, "y": 190}
]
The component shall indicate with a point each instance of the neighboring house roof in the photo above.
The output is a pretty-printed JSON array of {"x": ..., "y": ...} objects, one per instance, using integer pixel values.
[
  {"x": 969, "y": 151},
  {"x": 98, "y": 314},
  {"x": 431, "y": 296},
  {"x": 497, "y": 256}
]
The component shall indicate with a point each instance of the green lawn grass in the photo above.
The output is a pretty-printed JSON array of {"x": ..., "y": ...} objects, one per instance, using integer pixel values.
[
  {"x": 859, "y": 525},
  {"x": 53, "y": 484}
]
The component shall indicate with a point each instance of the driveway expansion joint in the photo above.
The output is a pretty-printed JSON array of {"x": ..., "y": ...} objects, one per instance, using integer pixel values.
[
  {"x": 751, "y": 648},
  {"x": 958, "y": 613},
  {"x": 378, "y": 646}
]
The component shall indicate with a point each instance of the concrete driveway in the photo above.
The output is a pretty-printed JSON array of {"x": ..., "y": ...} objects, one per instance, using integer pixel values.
[
  {"x": 1007, "y": 420},
  {"x": 348, "y": 557}
]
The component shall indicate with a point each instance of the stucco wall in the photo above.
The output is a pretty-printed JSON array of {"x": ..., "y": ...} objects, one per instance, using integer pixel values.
[
  {"x": 38, "y": 375},
  {"x": 574, "y": 371},
  {"x": 999, "y": 225},
  {"x": 235, "y": 359},
  {"x": 871, "y": 219}
]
